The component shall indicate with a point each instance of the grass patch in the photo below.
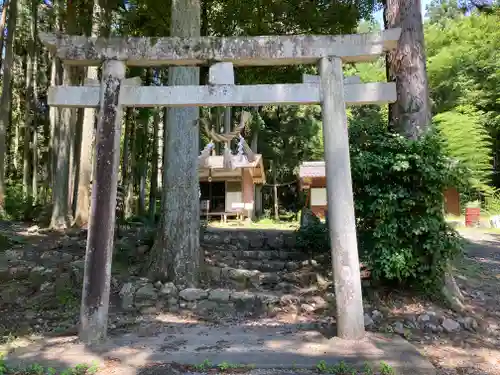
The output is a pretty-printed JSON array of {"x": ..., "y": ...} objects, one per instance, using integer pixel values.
[
  {"x": 36, "y": 369},
  {"x": 258, "y": 225},
  {"x": 208, "y": 366},
  {"x": 343, "y": 368}
]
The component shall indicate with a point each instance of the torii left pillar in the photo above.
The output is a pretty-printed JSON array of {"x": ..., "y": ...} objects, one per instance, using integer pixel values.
[{"x": 97, "y": 276}]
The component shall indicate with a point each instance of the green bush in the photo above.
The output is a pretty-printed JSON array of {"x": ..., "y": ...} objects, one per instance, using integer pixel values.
[
  {"x": 314, "y": 239},
  {"x": 17, "y": 206},
  {"x": 398, "y": 192}
]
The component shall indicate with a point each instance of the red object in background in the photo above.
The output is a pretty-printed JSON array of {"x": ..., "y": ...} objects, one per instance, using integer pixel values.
[{"x": 472, "y": 216}]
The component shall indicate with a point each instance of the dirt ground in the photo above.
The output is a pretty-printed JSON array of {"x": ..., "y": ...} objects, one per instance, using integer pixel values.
[
  {"x": 478, "y": 275},
  {"x": 457, "y": 344}
]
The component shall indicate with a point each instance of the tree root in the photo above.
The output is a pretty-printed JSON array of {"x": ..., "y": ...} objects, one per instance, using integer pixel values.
[{"x": 451, "y": 292}]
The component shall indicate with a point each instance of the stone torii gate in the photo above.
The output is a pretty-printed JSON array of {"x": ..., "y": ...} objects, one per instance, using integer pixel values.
[{"x": 116, "y": 92}]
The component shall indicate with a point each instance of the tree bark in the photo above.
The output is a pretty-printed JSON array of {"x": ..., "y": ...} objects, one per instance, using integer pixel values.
[
  {"x": 54, "y": 117},
  {"x": 60, "y": 190},
  {"x": 411, "y": 114},
  {"x": 76, "y": 157},
  {"x": 34, "y": 162},
  {"x": 154, "y": 168},
  {"x": 61, "y": 216},
  {"x": 258, "y": 188},
  {"x": 176, "y": 253},
  {"x": 275, "y": 193},
  {"x": 159, "y": 152},
  {"x": 5, "y": 101},
  {"x": 29, "y": 103},
  {"x": 129, "y": 194},
  {"x": 142, "y": 159},
  {"x": 3, "y": 18},
  {"x": 82, "y": 210},
  {"x": 55, "y": 114}
]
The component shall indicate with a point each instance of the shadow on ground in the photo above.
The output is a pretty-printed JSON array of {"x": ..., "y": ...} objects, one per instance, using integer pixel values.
[{"x": 154, "y": 340}]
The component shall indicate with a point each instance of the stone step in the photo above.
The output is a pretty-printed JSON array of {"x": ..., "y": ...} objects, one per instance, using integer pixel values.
[
  {"x": 141, "y": 294},
  {"x": 258, "y": 254},
  {"x": 251, "y": 279},
  {"x": 249, "y": 239},
  {"x": 237, "y": 249},
  {"x": 262, "y": 266}
]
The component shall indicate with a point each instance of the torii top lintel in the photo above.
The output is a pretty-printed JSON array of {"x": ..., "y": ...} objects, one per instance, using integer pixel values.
[{"x": 241, "y": 51}]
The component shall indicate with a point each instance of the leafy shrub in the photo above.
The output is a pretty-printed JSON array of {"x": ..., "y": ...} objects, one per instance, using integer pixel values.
[
  {"x": 17, "y": 206},
  {"x": 466, "y": 139},
  {"x": 492, "y": 203},
  {"x": 314, "y": 238},
  {"x": 398, "y": 192}
]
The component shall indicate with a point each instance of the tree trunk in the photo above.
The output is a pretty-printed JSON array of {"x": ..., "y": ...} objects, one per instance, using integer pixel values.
[
  {"x": 126, "y": 147},
  {"x": 142, "y": 159},
  {"x": 2, "y": 27},
  {"x": 5, "y": 101},
  {"x": 34, "y": 173},
  {"x": 82, "y": 210},
  {"x": 55, "y": 114},
  {"x": 60, "y": 190},
  {"x": 176, "y": 254},
  {"x": 154, "y": 168},
  {"x": 275, "y": 193},
  {"x": 29, "y": 102},
  {"x": 75, "y": 170},
  {"x": 142, "y": 189},
  {"x": 61, "y": 215},
  {"x": 129, "y": 198},
  {"x": 411, "y": 114},
  {"x": 258, "y": 188},
  {"x": 72, "y": 28},
  {"x": 159, "y": 152}
]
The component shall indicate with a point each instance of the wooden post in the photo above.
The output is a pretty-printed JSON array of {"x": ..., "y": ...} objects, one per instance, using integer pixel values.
[
  {"x": 97, "y": 276},
  {"x": 341, "y": 221}
]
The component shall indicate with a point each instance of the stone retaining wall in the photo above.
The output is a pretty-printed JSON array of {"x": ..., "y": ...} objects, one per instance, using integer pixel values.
[
  {"x": 244, "y": 259},
  {"x": 249, "y": 239},
  {"x": 140, "y": 294}
]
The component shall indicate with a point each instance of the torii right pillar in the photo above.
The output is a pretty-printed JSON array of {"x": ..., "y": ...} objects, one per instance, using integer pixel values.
[{"x": 341, "y": 220}]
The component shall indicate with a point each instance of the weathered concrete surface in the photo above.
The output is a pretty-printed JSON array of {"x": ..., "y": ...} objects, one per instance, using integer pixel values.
[
  {"x": 221, "y": 95},
  {"x": 341, "y": 220},
  {"x": 99, "y": 251},
  {"x": 221, "y": 74},
  {"x": 311, "y": 78},
  {"x": 265, "y": 346},
  {"x": 242, "y": 51}
]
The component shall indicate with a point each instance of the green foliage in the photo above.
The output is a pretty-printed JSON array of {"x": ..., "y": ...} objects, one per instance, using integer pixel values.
[
  {"x": 18, "y": 207},
  {"x": 463, "y": 65},
  {"x": 288, "y": 136},
  {"x": 492, "y": 203},
  {"x": 37, "y": 369},
  {"x": 398, "y": 188},
  {"x": 314, "y": 239},
  {"x": 398, "y": 191},
  {"x": 466, "y": 140},
  {"x": 3, "y": 366},
  {"x": 343, "y": 368}
]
